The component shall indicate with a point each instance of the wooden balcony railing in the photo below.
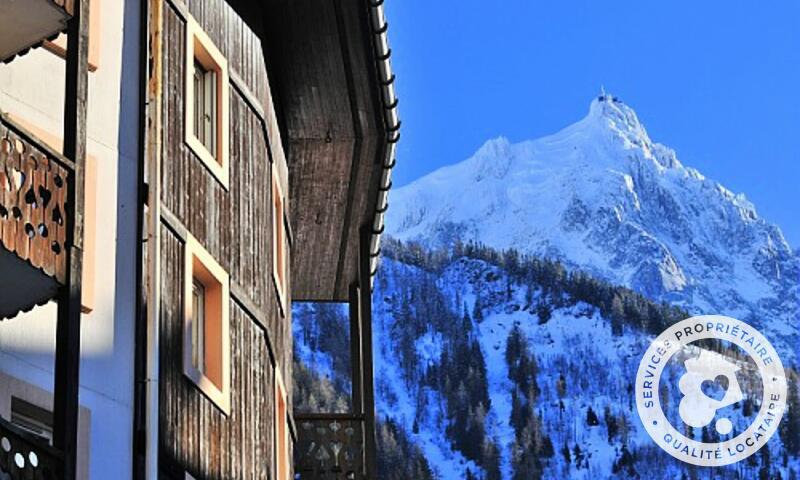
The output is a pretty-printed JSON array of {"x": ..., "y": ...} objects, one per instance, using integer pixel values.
[
  {"x": 329, "y": 446},
  {"x": 25, "y": 457},
  {"x": 34, "y": 218}
]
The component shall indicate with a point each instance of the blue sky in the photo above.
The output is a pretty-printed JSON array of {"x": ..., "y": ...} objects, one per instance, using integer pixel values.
[{"x": 718, "y": 81}]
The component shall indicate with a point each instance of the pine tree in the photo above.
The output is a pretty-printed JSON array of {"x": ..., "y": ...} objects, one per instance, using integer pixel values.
[
  {"x": 591, "y": 418},
  {"x": 528, "y": 296},
  {"x": 578, "y": 454},
  {"x": 565, "y": 453},
  {"x": 611, "y": 424},
  {"x": 623, "y": 428},
  {"x": 625, "y": 463},
  {"x": 491, "y": 460},
  {"x": 477, "y": 311},
  {"x": 544, "y": 312},
  {"x": 790, "y": 425},
  {"x": 617, "y": 316},
  {"x": 747, "y": 407},
  {"x": 561, "y": 386},
  {"x": 546, "y": 449},
  {"x": 764, "y": 471},
  {"x": 466, "y": 321}
]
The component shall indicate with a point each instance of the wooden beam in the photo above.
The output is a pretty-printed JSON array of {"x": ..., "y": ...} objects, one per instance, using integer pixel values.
[
  {"x": 356, "y": 368},
  {"x": 365, "y": 300},
  {"x": 68, "y": 329}
]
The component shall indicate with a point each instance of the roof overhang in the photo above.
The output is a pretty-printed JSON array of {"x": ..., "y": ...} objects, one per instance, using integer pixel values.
[
  {"x": 332, "y": 86},
  {"x": 28, "y": 23}
]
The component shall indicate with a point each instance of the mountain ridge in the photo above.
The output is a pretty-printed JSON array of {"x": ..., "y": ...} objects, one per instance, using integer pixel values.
[{"x": 602, "y": 196}]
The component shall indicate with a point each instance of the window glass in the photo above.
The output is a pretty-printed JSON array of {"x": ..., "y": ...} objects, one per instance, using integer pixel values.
[
  {"x": 32, "y": 419},
  {"x": 205, "y": 111},
  {"x": 198, "y": 325}
]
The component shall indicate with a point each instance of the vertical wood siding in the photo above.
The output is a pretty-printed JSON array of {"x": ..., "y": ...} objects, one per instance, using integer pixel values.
[{"x": 235, "y": 227}]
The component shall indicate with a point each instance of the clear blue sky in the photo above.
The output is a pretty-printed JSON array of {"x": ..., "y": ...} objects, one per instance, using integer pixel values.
[{"x": 718, "y": 81}]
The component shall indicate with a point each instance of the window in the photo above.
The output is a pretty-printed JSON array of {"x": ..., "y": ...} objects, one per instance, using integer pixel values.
[
  {"x": 198, "y": 324},
  {"x": 282, "y": 449},
  {"x": 205, "y": 106},
  {"x": 206, "y": 102},
  {"x": 35, "y": 420},
  {"x": 279, "y": 251},
  {"x": 206, "y": 356}
]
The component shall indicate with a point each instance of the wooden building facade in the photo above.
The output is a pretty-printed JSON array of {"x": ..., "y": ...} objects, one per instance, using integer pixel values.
[
  {"x": 233, "y": 222},
  {"x": 271, "y": 131}
]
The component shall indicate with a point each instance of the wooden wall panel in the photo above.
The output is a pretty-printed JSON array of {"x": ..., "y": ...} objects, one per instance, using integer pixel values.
[
  {"x": 195, "y": 435},
  {"x": 234, "y": 226}
]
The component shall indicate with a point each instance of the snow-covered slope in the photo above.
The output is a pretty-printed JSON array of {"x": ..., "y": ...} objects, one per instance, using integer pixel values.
[
  {"x": 581, "y": 366},
  {"x": 602, "y": 196}
]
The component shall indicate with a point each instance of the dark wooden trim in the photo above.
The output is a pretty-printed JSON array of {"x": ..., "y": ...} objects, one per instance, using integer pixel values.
[
  {"x": 68, "y": 329},
  {"x": 139, "y": 447},
  {"x": 287, "y": 225},
  {"x": 358, "y": 134},
  {"x": 290, "y": 422},
  {"x": 173, "y": 223},
  {"x": 180, "y": 8},
  {"x": 365, "y": 301},
  {"x": 247, "y": 95}
]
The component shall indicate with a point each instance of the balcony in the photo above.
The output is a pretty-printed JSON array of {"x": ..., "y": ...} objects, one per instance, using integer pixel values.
[
  {"x": 329, "y": 447},
  {"x": 34, "y": 183},
  {"x": 25, "y": 457},
  {"x": 26, "y": 23}
]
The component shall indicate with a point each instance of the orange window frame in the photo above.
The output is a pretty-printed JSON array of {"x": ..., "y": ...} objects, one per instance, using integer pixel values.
[
  {"x": 213, "y": 380},
  {"x": 282, "y": 445},
  {"x": 201, "y": 49}
]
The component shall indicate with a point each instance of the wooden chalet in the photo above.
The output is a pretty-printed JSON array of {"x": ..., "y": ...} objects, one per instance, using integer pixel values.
[{"x": 271, "y": 131}]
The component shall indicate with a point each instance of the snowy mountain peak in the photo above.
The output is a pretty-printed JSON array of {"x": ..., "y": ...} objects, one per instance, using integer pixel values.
[
  {"x": 613, "y": 114},
  {"x": 493, "y": 158},
  {"x": 601, "y": 196}
]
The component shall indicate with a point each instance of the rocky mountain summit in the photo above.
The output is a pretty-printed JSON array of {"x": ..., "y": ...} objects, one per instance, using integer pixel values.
[{"x": 602, "y": 197}]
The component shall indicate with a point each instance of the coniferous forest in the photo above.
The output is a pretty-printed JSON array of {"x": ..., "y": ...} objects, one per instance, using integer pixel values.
[{"x": 496, "y": 365}]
